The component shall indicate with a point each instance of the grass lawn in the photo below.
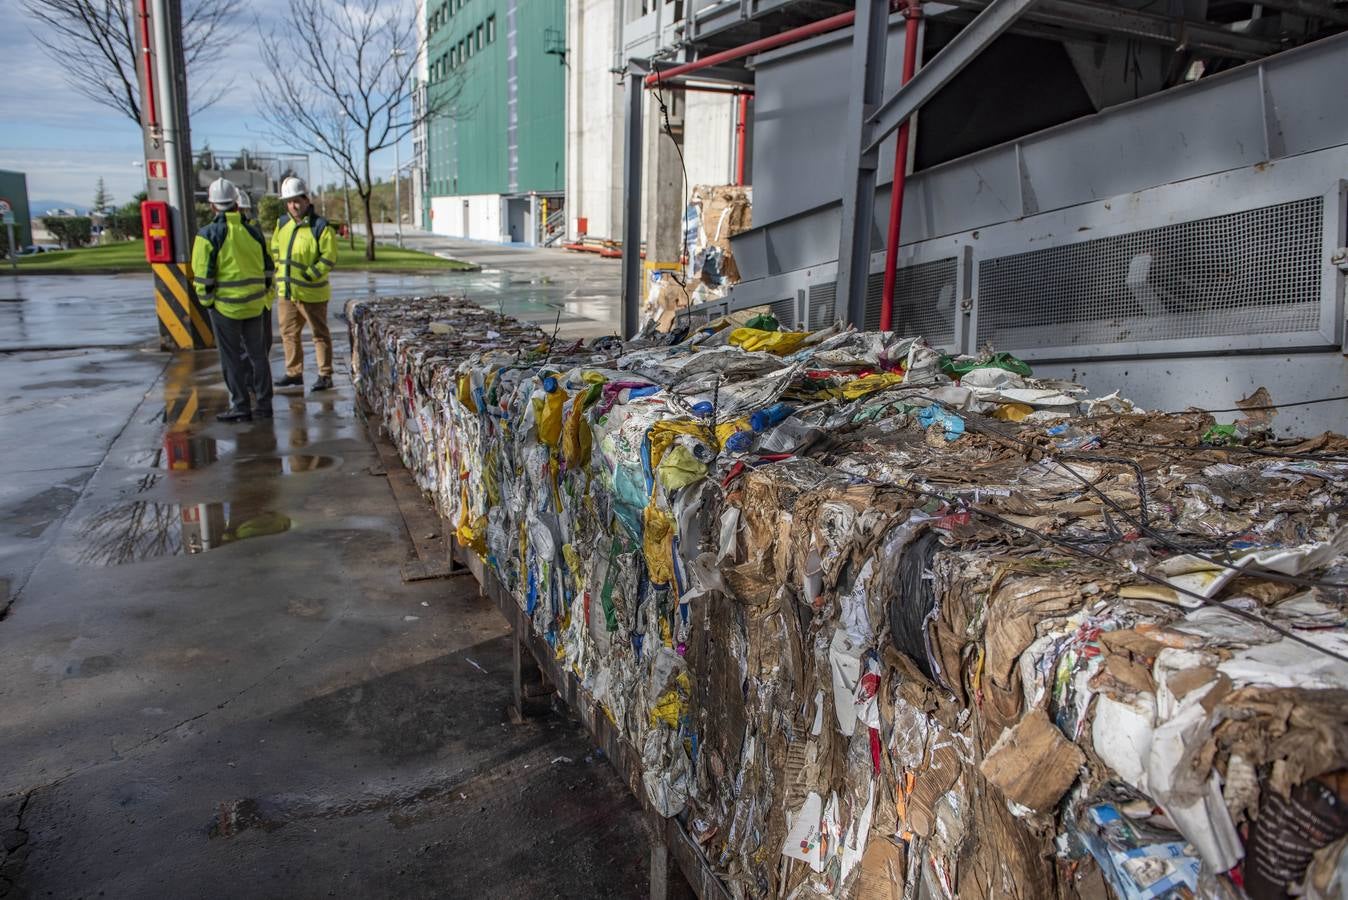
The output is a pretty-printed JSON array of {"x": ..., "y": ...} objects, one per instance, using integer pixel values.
[
  {"x": 126, "y": 256},
  {"x": 129, "y": 256}
]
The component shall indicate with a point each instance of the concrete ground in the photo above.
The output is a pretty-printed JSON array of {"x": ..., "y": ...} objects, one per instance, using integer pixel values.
[{"x": 213, "y": 682}]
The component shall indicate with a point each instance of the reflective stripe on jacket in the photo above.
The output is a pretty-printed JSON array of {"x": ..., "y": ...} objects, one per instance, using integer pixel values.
[
  {"x": 305, "y": 251},
  {"x": 231, "y": 267}
]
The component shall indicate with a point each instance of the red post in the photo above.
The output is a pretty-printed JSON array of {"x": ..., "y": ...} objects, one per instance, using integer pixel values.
[
  {"x": 142, "y": 13},
  {"x": 912, "y": 13},
  {"x": 741, "y": 128}
]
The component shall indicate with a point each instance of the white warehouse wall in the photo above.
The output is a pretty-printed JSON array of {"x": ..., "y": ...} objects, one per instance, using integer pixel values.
[
  {"x": 709, "y": 138},
  {"x": 594, "y": 126},
  {"x": 484, "y": 216}
]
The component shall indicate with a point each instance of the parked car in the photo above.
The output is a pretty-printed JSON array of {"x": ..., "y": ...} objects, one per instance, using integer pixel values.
[{"x": 31, "y": 249}]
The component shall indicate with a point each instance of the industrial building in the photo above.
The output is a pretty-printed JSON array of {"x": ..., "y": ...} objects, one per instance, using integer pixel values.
[
  {"x": 495, "y": 161},
  {"x": 1110, "y": 191}
]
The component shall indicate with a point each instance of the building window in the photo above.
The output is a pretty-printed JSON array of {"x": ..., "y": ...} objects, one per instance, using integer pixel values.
[
  {"x": 468, "y": 45},
  {"x": 479, "y": 37},
  {"x": 491, "y": 29}
]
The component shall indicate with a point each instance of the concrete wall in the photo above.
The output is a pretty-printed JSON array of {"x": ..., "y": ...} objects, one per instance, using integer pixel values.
[
  {"x": 709, "y": 138},
  {"x": 594, "y": 128},
  {"x": 484, "y": 217}
]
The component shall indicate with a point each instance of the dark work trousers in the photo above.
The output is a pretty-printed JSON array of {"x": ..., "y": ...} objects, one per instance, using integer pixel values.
[{"x": 243, "y": 347}]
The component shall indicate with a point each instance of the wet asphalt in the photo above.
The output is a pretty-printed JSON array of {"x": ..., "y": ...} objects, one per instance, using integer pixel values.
[{"x": 213, "y": 682}]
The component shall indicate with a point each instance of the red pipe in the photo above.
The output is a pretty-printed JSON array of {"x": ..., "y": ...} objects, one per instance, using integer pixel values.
[
  {"x": 144, "y": 15},
  {"x": 912, "y": 12},
  {"x": 823, "y": 26},
  {"x": 741, "y": 127},
  {"x": 707, "y": 88}
]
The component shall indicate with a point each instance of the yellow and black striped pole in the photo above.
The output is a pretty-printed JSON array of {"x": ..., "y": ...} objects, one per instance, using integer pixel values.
[
  {"x": 183, "y": 324},
  {"x": 182, "y": 401}
]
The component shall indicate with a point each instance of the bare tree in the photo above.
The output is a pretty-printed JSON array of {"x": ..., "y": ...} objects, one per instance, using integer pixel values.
[
  {"x": 94, "y": 42},
  {"x": 341, "y": 85}
]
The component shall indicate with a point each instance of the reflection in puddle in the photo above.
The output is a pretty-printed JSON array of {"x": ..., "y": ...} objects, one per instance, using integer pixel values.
[
  {"x": 184, "y": 452},
  {"x": 133, "y": 532},
  {"x": 294, "y": 464},
  {"x": 181, "y": 452}
]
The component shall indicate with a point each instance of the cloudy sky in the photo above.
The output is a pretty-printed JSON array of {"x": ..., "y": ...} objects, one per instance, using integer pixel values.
[{"x": 64, "y": 142}]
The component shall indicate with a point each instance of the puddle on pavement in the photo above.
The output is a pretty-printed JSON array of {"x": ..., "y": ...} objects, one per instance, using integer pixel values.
[
  {"x": 294, "y": 464},
  {"x": 133, "y": 532},
  {"x": 184, "y": 452}
]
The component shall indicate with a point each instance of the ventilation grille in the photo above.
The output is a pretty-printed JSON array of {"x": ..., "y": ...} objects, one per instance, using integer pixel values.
[
  {"x": 1247, "y": 273},
  {"x": 819, "y": 314},
  {"x": 785, "y": 313},
  {"x": 924, "y": 301}
]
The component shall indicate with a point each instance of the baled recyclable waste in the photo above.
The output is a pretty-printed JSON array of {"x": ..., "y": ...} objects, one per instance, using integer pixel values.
[{"x": 883, "y": 622}]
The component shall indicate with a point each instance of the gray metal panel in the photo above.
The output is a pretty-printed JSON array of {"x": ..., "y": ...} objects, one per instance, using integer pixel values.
[
  {"x": 1297, "y": 94},
  {"x": 1216, "y": 124},
  {"x": 986, "y": 189},
  {"x": 1247, "y": 273},
  {"x": 1209, "y": 268},
  {"x": 806, "y": 241},
  {"x": 800, "y": 110},
  {"x": 1216, "y": 382}
]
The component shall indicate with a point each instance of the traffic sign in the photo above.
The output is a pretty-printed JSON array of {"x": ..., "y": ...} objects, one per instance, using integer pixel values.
[{"x": 6, "y": 213}]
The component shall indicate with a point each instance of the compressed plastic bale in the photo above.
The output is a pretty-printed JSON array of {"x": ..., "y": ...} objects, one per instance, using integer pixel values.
[{"x": 771, "y": 561}]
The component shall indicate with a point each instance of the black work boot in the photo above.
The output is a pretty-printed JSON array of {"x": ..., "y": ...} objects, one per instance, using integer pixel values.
[
  {"x": 234, "y": 415},
  {"x": 324, "y": 383},
  {"x": 289, "y": 381}
]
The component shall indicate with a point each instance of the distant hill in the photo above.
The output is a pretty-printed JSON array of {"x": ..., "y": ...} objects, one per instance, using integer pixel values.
[{"x": 39, "y": 207}]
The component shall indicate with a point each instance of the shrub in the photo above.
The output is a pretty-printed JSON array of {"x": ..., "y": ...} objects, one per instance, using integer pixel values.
[{"x": 71, "y": 231}]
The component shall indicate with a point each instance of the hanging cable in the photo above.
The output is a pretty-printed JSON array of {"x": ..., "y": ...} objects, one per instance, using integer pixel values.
[
  {"x": 1266, "y": 406},
  {"x": 980, "y": 424}
]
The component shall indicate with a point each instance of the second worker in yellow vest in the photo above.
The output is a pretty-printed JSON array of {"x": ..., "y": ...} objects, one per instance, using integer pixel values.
[
  {"x": 305, "y": 249},
  {"x": 233, "y": 276}
]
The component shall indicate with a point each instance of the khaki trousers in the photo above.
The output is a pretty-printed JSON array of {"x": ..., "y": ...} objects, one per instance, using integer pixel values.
[{"x": 293, "y": 316}]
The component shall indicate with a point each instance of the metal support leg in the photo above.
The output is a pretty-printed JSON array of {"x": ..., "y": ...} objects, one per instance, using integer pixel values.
[
  {"x": 530, "y": 692},
  {"x": 456, "y": 567},
  {"x": 860, "y": 162},
  {"x": 667, "y": 881},
  {"x": 632, "y": 151}
]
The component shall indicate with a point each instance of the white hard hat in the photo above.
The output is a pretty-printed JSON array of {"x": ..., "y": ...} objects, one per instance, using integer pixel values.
[
  {"x": 293, "y": 187},
  {"x": 244, "y": 202},
  {"x": 223, "y": 192}
]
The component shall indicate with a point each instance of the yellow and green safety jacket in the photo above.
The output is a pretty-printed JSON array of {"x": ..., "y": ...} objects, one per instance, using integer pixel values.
[
  {"x": 231, "y": 267},
  {"x": 305, "y": 251}
]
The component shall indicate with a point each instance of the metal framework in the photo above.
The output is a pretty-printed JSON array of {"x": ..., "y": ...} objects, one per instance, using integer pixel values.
[
  {"x": 874, "y": 121},
  {"x": 635, "y": 92}
]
